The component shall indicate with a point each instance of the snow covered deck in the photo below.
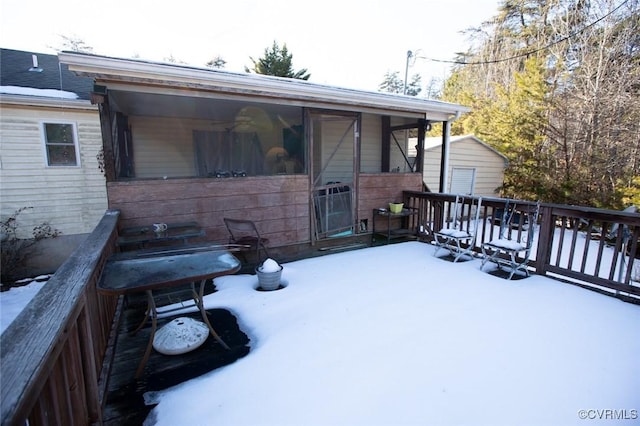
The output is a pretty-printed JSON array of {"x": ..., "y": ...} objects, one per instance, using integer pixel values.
[{"x": 389, "y": 326}]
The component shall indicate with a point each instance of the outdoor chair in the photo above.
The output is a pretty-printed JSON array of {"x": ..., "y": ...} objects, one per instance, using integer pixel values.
[
  {"x": 458, "y": 236},
  {"x": 245, "y": 234},
  {"x": 512, "y": 249}
]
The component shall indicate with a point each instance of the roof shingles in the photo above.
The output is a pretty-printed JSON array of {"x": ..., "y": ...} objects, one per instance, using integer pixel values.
[{"x": 14, "y": 71}]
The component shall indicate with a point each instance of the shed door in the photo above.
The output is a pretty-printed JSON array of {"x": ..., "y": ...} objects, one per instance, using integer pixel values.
[
  {"x": 463, "y": 180},
  {"x": 334, "y": 141}
]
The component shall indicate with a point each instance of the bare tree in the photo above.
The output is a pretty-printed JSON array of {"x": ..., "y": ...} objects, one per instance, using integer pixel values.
[{"x": 587, "y": 143}]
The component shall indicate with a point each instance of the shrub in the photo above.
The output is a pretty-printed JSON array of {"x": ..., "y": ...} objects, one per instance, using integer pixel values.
[{"x": 14, "y": 250}]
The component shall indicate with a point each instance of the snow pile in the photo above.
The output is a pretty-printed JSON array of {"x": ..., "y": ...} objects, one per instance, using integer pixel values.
[{"x": 270, "y": 265}]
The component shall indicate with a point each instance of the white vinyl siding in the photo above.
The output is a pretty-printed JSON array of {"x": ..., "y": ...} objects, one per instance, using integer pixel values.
[{"x": 71, "y": 199}]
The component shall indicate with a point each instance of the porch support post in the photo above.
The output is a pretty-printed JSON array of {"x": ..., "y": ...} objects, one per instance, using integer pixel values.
[
  {"x": 444, "y": 158},
  {"x": 107, "y": 140},
  {"x": 422, "y": 128},
  {"x": 386, "y": 144}
]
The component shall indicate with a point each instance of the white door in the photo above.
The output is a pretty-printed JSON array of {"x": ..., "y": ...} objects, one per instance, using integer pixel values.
[{"x": 463, "y": 180}]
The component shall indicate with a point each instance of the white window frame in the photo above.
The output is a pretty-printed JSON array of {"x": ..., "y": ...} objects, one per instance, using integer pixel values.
[{"x": 45, "y": 142}]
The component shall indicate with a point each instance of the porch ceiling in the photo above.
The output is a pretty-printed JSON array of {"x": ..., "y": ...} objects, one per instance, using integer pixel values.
[{"x": 159, "y": 105}]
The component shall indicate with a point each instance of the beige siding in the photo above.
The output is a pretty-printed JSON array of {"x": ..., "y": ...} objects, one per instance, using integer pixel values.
[
  {"x": 371, "y": 150},
  {"x": 467, "y": 153},
  {"x": 163, "y": 147},
  {"x": 71, "y": 199}
]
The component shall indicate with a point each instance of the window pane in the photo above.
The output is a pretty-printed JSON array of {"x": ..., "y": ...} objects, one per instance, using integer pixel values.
[
  {"x": 59, "y": 133},
  {"x": 61, "y": 155}
]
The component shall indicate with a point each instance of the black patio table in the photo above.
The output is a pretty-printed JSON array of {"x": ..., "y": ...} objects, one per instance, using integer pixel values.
[{"x": 154, "y": 269}]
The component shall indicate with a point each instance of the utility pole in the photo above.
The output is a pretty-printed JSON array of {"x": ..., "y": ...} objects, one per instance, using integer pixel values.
[{"x": 406, "y": 71}]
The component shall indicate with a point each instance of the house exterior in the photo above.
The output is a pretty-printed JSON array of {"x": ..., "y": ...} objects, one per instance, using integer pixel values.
[
  {"x": 49, "y": 139},
  {"x": 473, "y": 167},
  {"x": 306, "y": 162}
]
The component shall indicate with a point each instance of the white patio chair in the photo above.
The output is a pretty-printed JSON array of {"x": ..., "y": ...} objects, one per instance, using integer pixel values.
[
  {"x": 512, "y": 249},
  {"x": 458, "y": 235}
]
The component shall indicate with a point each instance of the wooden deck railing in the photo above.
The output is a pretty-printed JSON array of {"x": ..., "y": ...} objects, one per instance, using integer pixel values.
[
  {"x": 591, "y": 247},
  {"x": 51, "y": 355}
]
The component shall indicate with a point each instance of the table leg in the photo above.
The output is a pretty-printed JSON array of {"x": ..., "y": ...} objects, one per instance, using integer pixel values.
[
  {"x": 144, "y": 320},
  {"x": 198, "y": 298},
  {"x": 151, "y": 309}
]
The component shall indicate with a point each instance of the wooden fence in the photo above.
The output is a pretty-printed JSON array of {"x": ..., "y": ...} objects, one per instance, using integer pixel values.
[
  {"x": 592, "y": 247},
  {"x": 51, "y": 355}
]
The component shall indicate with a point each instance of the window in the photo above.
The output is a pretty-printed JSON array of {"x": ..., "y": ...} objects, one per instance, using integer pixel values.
[{"x": 60, "y": 144}]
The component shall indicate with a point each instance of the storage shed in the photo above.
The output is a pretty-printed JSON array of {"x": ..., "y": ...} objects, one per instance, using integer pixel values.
[{"x": 474, "y": 167}]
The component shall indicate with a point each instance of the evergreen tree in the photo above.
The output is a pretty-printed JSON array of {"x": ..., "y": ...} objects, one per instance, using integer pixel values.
[
  {"x": 392, "y": 83},
  {"x": 277, "y": 61},
  {"x": 216, "y": 62}
]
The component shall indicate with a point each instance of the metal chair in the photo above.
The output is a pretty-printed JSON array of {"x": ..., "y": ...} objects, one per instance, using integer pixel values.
[
  {"x": 512, "y": 249},
  {"x": 459, "y": 235},
  {"x": 245, "y": 233}
]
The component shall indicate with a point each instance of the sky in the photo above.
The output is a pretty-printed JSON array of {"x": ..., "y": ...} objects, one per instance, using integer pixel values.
[
  {"x": 342, "y": 43},
  {"x": 353, "y": 339}
]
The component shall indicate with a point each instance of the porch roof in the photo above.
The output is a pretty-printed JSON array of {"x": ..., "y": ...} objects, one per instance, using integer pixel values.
[{"x": 155, "y": 77}]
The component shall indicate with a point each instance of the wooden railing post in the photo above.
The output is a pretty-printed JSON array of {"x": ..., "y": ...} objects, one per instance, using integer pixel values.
[{"x": 545, "y": 239}]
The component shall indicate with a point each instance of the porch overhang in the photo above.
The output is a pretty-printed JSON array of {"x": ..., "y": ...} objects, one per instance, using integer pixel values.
[{"x": 182, "y": 80}]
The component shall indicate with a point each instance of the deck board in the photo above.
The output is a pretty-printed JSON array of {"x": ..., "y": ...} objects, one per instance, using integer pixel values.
[{"x": 125, "y": 395}]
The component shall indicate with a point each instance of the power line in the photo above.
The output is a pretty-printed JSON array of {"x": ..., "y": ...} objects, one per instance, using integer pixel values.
[{"x": 530, "y": 52}]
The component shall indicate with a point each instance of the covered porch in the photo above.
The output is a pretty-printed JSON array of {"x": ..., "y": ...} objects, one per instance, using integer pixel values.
[{"x": 305, "y": 162}]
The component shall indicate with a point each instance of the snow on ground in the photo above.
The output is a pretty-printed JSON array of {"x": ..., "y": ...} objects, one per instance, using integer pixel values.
[
  {"x": 393, "y": 336},
  {"x": 13, "y": 301}
]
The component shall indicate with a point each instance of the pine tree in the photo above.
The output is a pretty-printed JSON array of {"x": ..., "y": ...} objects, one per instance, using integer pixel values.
[
  {"x": 392, "y": 83},
  {"x": 277, "y": 61}
]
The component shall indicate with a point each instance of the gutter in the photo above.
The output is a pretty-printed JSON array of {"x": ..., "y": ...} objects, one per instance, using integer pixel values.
[
  {"x": 446, "y": 145},
  {"x": 46, "y": 102}
]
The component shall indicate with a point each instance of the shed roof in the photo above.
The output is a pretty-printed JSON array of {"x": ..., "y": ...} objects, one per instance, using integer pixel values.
[
  {"x": 435, "y": 142},
  {"x": 142, "y": 75},
  {"x": 17, "y": 69}
]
